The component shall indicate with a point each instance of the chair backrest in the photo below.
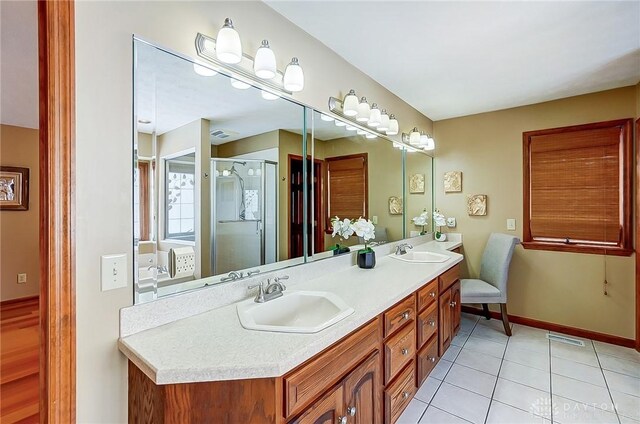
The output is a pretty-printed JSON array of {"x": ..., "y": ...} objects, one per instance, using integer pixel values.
[{"x": 496, "y": 258}]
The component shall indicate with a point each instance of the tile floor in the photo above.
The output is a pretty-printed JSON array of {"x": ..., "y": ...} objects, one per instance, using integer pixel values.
[{"x": 487, "y": 377}]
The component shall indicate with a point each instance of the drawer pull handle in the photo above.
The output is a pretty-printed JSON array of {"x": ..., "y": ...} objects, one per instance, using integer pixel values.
[
  {"x": 405, "y": 351},
  {"x": 342, "y": 420},
  {"x": 405, "y": 395},
  {"x": 351, "y": 411},
  {"x": 432, "y": 294},
  {"x": 405, "y": 315},
  {"x": 431, "y": 359},
  {"x": 452, "y": 304},
  {"x": 431, "y": 322}
]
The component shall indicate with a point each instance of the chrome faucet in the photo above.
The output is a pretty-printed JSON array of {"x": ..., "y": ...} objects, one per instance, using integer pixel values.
[
  {"x": 235, "y": 275},
  {"x": 268, "y": 291},
  {"x": 401, "y": 249}
]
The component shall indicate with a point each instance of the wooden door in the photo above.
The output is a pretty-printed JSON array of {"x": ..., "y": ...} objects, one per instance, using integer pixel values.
[
  {"x": 456, "y": 309},
  {"x": 445, "y": 324},
  {"x": 328, "y": 410},
  {"x": 363, "y": 394},
  {"x": 347, "y": 187},
  {"x": 296, "y": 208}
]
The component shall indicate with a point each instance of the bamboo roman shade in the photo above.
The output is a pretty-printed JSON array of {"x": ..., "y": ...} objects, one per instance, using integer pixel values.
[
  {"x": 347, "y": 186},
  {"x": 575, "y": 185}
]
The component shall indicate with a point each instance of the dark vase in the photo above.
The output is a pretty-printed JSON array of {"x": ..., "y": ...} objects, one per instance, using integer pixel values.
[
  {"x": 340, "y": 250},
  {"x": 367, "y": 260}
]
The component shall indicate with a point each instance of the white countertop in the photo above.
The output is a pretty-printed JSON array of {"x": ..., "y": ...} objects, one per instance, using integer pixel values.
[{"x": 213, "y": 346}]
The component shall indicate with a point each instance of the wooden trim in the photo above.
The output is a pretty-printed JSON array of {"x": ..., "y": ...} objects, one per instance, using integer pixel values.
[
  {"x": 327, "y": 205},
  {"x": 18, "y": 300},
  {"x": 56, "y": 43},
  {"x": 558, "y": 328},
  {"x": 625, "y": 248},
  {"x": 143, "y": 183},
  {"x": 638, "y": 234}
]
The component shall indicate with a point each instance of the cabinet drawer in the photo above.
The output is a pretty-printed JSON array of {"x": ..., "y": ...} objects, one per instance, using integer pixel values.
[
  {"x": 398, "y": 351},
  {"x": 427, "y": 324},
  {"x": 427, "y": 295},
  {"x": 398, "y": 315},
  {"x": 306, "y": 382},
  {"x": 427, "y": 359},
  {"x": 398, "y": 395},
  {"x": 449, "y": 277}
]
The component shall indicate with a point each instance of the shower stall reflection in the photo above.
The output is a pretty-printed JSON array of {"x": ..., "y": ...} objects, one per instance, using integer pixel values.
[{"x": 244, "y": 214}]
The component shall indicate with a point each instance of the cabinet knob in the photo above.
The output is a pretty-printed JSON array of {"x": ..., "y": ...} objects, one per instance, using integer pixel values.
[
  {"x": 432, "y": 294},
  {"x": 405, "y": 395},
  {"x": 406, "y": 315},
  {"x": 431, "y": 322},
  {"x": 431, "y": 359},
  {"x": 351, "y": 410},
  {"x": 342, "y": 420},
  {"x": 405, "y": 351},
  {"x": 452, "y": 304}
]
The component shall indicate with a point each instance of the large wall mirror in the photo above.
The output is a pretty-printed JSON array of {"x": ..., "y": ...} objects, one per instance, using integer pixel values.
[
  {"x": 218, "y": 178},
  {"x": 231, "y": 180}
]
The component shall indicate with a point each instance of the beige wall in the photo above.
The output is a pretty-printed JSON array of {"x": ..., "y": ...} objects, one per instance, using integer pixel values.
[
  {"x": 415, "y": 203},
  {"x": 19, "y": 230},
  {"x": 103, "y": 158},
  {"x": 557, "y": 287}
]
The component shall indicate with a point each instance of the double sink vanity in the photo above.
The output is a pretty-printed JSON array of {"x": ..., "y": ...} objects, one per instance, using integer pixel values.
[{"x": 349, "y": 346}]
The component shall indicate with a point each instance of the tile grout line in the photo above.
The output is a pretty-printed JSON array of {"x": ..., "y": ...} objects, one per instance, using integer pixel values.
[
  {"x": 486, "y": 417},
  {"x": 615, "y": 408}
]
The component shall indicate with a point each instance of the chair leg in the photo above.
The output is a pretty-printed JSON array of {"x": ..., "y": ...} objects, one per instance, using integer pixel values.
[
  {"x": 505, "y": 319},
  {"x": 485, "y": 309}
]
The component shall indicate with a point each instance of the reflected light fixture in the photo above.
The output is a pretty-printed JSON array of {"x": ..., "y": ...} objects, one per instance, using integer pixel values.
[
  {"x": 326, "y": 117},
  {"x": 351, "y": 128},
  {"x": 203, "y": 70},
  {"x": 431, "y": 143},
  {"x": 374, "y": 116},
  {"x": 228, "y": 45},
  {"x": 268, "y": 96},
  {"x": 340, "y": 123},
  {"x": 144, "y": 121},
  {"x": 363, "y": 110},
  {"x": 350, "y": 104},
  {"x": 424, "y": 139},
  {"x": 384, "y": 121},
  {"x": 360, "y": 132},
  {"x": 226, "y": 173},
  {"x": 264, "y": 64},
  {"x": 293, "y": 76},
  {"x": 369, "y": 135},
  {"x": 240, "y": 85},
  {"x": 414, "y": 137},
  {"x": 393, "y": 125}
]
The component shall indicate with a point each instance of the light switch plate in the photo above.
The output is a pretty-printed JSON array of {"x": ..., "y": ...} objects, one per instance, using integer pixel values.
[
  {"x": 22, "y": 278},
  {"x": 113, "y": 271},
  {"x": 511, "y": 224},
  {"x": 374, "y": 219}
]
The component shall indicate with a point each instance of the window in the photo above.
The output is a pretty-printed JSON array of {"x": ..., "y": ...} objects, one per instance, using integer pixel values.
[
  {"x": 577, "y": 188},
  {"x": 180, "y": 200},
  {"x": 347, "y": 192},
  {"x": 141, "y": 201}
]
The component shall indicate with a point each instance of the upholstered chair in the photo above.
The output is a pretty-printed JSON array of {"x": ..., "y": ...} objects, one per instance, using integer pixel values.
[{"x": 491, "y": 287}]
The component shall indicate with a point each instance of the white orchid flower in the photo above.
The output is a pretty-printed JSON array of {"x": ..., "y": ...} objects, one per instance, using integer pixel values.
[{"x": 364, "y": 228}]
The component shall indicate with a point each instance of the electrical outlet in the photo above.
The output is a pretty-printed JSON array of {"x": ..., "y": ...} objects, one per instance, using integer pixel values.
[
  {"x": 183, "y": 262},
  {"x": 113, "y": 271},
  {"x": 451, "y": 222},
  {"x": 511, "y": 224},
  {"x": 22, "y": 278},
  {"x": 374, "y": 220}
]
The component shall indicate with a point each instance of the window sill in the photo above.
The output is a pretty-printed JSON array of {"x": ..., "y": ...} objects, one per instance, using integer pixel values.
[{"x": 577, "y": 248}]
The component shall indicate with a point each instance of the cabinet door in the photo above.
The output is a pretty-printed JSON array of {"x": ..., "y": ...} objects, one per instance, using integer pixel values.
[
  {"x": 363, "y": 393},
  {"x": 445, "y": 324},
  {"x": 328, "y": 410},
  {"x": 456, "y": 309}
]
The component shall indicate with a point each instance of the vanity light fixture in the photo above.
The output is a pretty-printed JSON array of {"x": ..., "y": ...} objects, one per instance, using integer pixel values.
[
  {"x": 370, "y": 135},
  {"x": 326, "y": 117},
  {"x": 431, "y": 143},
  {"x": 203, "y": 70},
  {"x": 351, "y": 128},
  {"x": 268, "y": 96},
  {"x": 364, "y": 110},
  {"x": 250, "y": 172},
  {"x": 228, "y": 45},
  {"x": 360, "y": 132},
  {"x": 293, "y": 76},
  {"x": 417, "y": 141},
  {"x": 264, "y": 64},
  {"x": 340, "y": 123},
  {"x": 350, "y": 104},
  {"x": 414, "y": 137},
  {"x": 374, "y": 117},
  {"x": 226, "y": 173},
  {"x": 240, "y": 85},
  {"x": 384, "y": 121},
  {"x": 393, "y": 125},
  {"x": 424, "y": 139}
]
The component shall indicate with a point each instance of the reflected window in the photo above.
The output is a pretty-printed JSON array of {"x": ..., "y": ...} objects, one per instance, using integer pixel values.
[{"x": 180, "y": 200}]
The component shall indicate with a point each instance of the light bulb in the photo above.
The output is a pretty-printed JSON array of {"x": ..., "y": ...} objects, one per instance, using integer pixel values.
[
  {"x": 414, "y": 137},
  {"x": 258, "y": 172},
  {"x": 369, "y": 135},
  {"x": 264, "y": 65},
  {"x": 293, "y": 76},
  {"x": 424, "y": 139},
  {"x": 374, "y": 117},
  {"x": 217, "y": 173},
  {"x": 431, "y": 144},
  {"x": 326, "y": 117},
  {"x": 363, "y": 110},
  {"x": 203, "y": 70},
  {"x": 240, "y": 85},
  {"x": 228, "y": 45},
  {"x": 250, "y": 172},
  {"x": 226, "y": 173},
  {"x": 268, "y": 96},
  {"x": 393, "y": 125},
  {"x": 340, "y": 123},
  {"x": 350, "y": 104},
  {"x": 384, "y": 121},
  {"x": 351, "y": 128}
]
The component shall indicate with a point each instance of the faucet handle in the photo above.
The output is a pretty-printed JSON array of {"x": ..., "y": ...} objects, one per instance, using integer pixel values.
[
  {"x": 261, "y": 290},
  {"x": 255, "y": 271},
  {"x": 260, "y": 285}
]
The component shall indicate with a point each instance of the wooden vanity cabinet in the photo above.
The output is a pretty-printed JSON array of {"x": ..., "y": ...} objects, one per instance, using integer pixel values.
[
  {"x": 449, "y": 307},
  {"x": 328, "y": 410}
]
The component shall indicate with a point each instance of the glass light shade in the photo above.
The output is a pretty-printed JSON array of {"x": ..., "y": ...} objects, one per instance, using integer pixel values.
[
  {"x": 258, "y": 172},
  {"x": 264, "y": 65},
  {"x": 226, "y": 173},
  {"x": 340, "y": 123},
  {"x": 239, "y": 84},
  {"x": 293, "y": 76},
  {"x": 228, "y": 45},
  {"x": 250, "y": 172},
  {"x": 414, "y": 137},
  {"x": 268, "y": 96},
  {"x": 424, "y": 139},
  {"x": 360, "y": 132},
  {"x": 393, "y": 126},
  {"x": 431, "y": 144},
  {"x": 350, "y": 104},
  {"x": 363, "y": 110},
  {"x": 374, "y": 116},
  {"x": 326, "y": 118},
  {"x": 351, "y": 128},
  {"x": 384, "y": 121},
  {"x": 369, "y": 135},
  {"x": 203, "y": 70}
]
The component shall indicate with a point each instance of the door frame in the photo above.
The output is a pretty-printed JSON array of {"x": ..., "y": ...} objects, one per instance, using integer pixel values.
[
  {"x": 56, "y": 65},
  {"x": 637, "y": 216}
]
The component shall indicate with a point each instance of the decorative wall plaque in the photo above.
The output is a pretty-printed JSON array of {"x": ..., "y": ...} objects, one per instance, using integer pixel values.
[
  {"x": 395, "y": 205},
  {"x": 477, "y": 205},
  {"x": 453, "y": 182},
  {"x": 416, "y": 183}
]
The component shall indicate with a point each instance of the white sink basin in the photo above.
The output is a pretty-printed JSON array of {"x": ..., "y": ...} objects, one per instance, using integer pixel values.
[
  {"x": 294, "y": 312},
  {"x": 421, "y": 257}
]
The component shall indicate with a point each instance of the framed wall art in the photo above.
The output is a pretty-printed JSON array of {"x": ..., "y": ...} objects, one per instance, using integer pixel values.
[
  {"x": 14, "y": 188},
  {"x": 416, "y": 184}
]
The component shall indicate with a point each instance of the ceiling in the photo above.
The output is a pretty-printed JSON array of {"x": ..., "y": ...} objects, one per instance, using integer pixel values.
[
  {"x": 451, "y": 59},
  {"x": 19, "y": 63}
]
